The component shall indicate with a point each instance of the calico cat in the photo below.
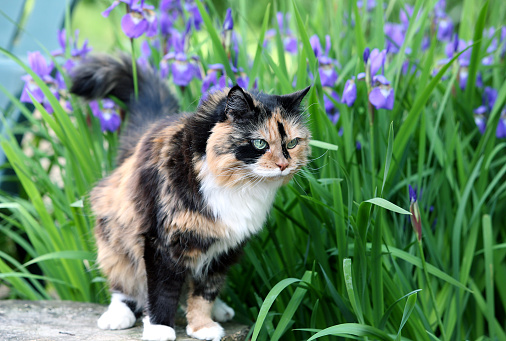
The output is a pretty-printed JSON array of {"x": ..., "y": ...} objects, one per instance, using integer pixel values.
[{"x": 189, "y": 190}]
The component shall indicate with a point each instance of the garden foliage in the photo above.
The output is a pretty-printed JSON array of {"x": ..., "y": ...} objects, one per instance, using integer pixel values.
[{"x": 395, "y": 229}]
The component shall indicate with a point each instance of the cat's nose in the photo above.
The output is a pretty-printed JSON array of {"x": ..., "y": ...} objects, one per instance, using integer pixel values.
[{"x": 282, "y": 165}]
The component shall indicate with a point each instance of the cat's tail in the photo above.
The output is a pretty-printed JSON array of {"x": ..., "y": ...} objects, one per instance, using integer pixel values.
[{"x": 102, "y": 76}]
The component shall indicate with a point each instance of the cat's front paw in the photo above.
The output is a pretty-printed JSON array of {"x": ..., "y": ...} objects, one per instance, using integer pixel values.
[
  {"x": 221, "y": 311},
  {"x": 157, "y": 332},
  {"x": 116, "y": 317},
  {"x": 211, "y": 331}
]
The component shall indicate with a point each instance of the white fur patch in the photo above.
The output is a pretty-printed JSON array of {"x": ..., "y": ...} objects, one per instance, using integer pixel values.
[
  {"x": 242, "y": 209},
  {"x": 221, "y": 312},
  {"x": 214, "y": 333},
  {"x": 118, "y": 315},
  {"x": 157, "y": 332},
  {"x": 271, "y": 173}
]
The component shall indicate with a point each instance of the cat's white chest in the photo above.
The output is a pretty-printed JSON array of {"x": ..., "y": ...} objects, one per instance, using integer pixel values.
[{"x": 243, "y": 210}]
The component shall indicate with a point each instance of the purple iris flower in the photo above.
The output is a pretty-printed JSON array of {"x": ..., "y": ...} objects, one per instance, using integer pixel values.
[
  {"x": 289, "y": 40},
  {"x": 108, "y": 116},
  {"x": 136, "y": 23},
  {"x": 367, "y": 53},
  {"x": 228, "y": 23},
  {"x": 350, "y": 92},
  {"x": 212, "y": 83},
  {"x": 315, "y": 44},
  {"x": 463, "y": 75},
  {"x": 377, "y": 60},
  {"x": 444, "y": 28},
  {"x": 412, "y": 195},
  {"x": 395, "y": 34},
  {"x": 42, "y": 69},
  {"x": 489, "y": 97},
  {"x": 440, "y": 7},
  {"x": 143, "y": 60},
  {"x": 243, "y": 79},
  {"x": 455, "y": 47},
  {"x": 488, "y": 101},
  {"x": 406, "y": 14},
  {"x": 141, "y": 18},
  {"x": 39, "y": 65},
  {"x": 328, "y": 75},
  {"x": 326, "y": 68},
  {"x": 32, "y": 88},
  {"x": 114, "y": 4},
  {"x": 195, "y": 18},
  {"x": 168, "y": 5},
  {"x": 382, "y": 94},
  {"x": 501, "y": 126},
  {"x": 75, "y": 51},
  {"x": 183, "y": 68},
  {"x": 370, "y": 4},
  {"x": 166, "y": 23},
  {"x": 480, "y": 120},
  {"x": 330, "y": 108}
]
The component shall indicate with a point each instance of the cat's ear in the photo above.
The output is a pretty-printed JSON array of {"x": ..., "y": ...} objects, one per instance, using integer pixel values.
[
  {"x": 239, "y": 104},
  {"x": 291, "y": 102}
]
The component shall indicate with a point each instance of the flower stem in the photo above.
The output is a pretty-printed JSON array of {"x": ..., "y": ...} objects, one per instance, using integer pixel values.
[
  {"x": 134, "y": 70},
  {"x": 432, "y": 296},
  {"x": 371, "y": 149}
]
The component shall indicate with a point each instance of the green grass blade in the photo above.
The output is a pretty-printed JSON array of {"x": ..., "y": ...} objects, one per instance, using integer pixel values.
[
  {"x": 292, "y": 306},
  {"x": 352, "y": 330},
  {"x": 408, "y": 309},
  {"x": 352, "y": 294},
  {"x": 268, "y": 301},
  {"x": 387, "y": 205},
  {"x": 217, "y": 46},
  {"x": 488, "y": 245}
]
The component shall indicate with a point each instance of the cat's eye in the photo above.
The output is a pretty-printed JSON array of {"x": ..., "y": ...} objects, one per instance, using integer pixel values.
[
  {"x": 292, "y": 143},
  {"x": 260, "y": 144}
]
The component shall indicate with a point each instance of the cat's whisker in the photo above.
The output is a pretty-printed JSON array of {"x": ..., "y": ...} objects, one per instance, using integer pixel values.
[
  {"x": 316, "y": 158},
  {"x": 295, "y": 180}
]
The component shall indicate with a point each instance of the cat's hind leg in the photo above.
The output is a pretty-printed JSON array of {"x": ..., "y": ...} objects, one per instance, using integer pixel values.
[{"x": 121, "y": 313}]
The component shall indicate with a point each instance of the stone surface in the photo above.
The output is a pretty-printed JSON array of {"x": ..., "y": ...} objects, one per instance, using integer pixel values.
[{"x": 76, "y": 321}]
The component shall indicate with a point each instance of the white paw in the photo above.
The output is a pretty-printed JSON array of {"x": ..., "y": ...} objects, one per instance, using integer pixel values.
[
  {"x": 214, "y": 333},
  {"x": 221, "y": 311},
  {"x": 117, "y": 316},
  {"x": 157, "y": 331}
]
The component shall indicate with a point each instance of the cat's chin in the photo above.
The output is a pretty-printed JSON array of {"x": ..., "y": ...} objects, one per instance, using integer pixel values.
[{"x": 273, "y": 174}]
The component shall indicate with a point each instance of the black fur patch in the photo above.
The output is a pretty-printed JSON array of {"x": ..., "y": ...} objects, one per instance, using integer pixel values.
[
  {"x": 102, "y": 230},
  {"x": 282, "y": 131},
  {"x": 183, "y": 242},
  {"x": 132, "y": 305},
  {"x": 210, "y": 284},
  {"x": 208, "y": 287},
  {"x": 247, "y": 153},
  {"x": 165, "y": 280},
  {"x": 146, "y": 193},
  {"x": 179, "y": 166}
]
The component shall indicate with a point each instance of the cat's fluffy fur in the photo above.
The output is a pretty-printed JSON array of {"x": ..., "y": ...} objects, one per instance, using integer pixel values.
[{"x": 189, "y": 190}]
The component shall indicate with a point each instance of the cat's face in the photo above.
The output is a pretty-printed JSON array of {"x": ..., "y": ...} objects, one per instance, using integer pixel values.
[{"x": 264, "y": 138}]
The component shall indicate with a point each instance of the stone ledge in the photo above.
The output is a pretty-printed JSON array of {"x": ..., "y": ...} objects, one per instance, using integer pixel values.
[{"x": 76, "y": 321}]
